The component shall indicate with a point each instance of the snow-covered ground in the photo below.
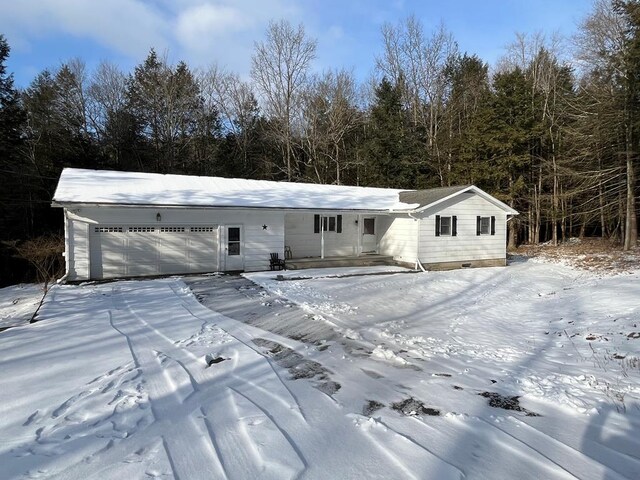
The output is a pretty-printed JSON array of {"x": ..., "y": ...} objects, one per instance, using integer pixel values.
[
  {"x": 530, "y": 371},
  {"x": 18, "y": 303}
]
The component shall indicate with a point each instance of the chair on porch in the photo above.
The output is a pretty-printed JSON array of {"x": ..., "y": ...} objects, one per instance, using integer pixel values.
[{"x": 276, "y": 262}]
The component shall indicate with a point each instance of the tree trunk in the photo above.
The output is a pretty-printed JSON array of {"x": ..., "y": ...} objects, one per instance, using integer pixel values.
[{"x": 631, "y": 225}]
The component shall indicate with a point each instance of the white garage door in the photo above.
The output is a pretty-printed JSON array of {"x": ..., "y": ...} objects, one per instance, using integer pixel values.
[{"x": 133, "y": 250}]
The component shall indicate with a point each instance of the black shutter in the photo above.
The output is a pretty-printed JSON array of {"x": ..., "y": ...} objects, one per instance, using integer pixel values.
[
  {"x": 493, "y": 225},
  {"x": 478, "y": 220},
  {"x": 339, "y": 224},
  {"x": 316, "y": 224},
  {"x": 454, "y": 226},
  {"x": 437, "y": 225}
]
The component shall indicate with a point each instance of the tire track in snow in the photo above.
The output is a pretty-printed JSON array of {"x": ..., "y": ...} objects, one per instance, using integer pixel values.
[
  {"x": 189, "y": 448},
  {"x": 578, "y": 462},
  {"x": 397, "y": 447},
  {"x": 546, "y": 455},
  {"x": 209, "y": 316},
  {"x": 251, "y": 444},
  {"x": 458, "y": 445},
  {"x": 170, "y": 352}
]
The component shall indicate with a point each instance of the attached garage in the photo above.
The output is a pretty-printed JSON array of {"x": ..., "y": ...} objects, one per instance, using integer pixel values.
[{"x": 137, "y": 250}]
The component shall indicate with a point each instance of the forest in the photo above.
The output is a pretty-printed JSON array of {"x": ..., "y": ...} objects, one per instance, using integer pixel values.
[{"x": 552, "y": 128}]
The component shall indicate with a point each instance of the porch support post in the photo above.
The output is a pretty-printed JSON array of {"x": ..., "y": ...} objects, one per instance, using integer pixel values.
[
  {"x": 359, "y": 247},
  {"x": 322, "y": 236}
]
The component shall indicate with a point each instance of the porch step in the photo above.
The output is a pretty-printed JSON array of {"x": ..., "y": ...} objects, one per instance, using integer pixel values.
[{"x": 363, "y": 261}]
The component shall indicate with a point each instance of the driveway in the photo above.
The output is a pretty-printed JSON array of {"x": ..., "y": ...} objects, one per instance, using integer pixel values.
[{"x": 137, "y": 379}]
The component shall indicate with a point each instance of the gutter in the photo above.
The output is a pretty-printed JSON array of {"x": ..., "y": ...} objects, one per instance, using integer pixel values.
[
  {"x": 63, "y": 279},
  {"x": 230, "y": 207}
]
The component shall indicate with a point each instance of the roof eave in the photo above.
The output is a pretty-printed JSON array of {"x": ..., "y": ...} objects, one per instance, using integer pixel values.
[
  {"x": 68, "y": 205},
  {"x": 490, "y": 198}
]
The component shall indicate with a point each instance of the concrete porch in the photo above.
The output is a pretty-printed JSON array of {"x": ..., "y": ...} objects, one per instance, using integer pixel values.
[{"x": 367, "y": 260}]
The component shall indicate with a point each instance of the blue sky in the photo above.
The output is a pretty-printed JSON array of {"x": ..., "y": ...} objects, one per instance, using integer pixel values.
[{"x": 44, "y": 33}]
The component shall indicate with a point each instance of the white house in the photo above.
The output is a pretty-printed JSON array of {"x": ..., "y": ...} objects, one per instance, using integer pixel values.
[{"x": 123, "y": 224}]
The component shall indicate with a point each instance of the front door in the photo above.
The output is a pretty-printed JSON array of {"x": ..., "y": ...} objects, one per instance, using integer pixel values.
[
  {"x": 369, "y": 237},
  {"x": 233, "y": 248}
]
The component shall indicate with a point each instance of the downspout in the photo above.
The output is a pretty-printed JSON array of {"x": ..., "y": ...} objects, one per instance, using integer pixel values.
[
  {"x": 64, "y": 277},
  {"x": 418, "y": 263}
]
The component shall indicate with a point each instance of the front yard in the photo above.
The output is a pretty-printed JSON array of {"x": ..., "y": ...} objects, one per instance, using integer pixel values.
[{"x": 530, "y": 371}]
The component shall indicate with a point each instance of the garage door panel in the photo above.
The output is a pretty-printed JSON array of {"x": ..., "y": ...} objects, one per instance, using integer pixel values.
[
  {"x": 151, "y": 250},
  {"x": 142, "y": 269},
  {"x": 173, "y": 241},
  {"x": 173, "y": 268}
]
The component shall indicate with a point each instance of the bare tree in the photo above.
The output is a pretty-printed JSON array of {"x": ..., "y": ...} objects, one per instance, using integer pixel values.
[
  {"x": 233, "y": 99},
  {"x": 330, "y": 115},
  {"x": 279, "y": 68},
  {"x": 71, "y": 99},
  {"x": 417, "y": 64},
  {"x": 107, "y": 95},
  {"x": 608, "y": 50}
]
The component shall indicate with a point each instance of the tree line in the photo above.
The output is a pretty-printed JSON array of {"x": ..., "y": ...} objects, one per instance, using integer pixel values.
[{"x": 552, "y": 129}]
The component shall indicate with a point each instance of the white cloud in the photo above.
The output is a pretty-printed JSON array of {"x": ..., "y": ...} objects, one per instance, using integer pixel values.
[
  {"x": 129, "y": 27},
  {"x": 200, "y": 32},
  {"x": 224, "y": 32},
  {"x": 206, "y": 20}
]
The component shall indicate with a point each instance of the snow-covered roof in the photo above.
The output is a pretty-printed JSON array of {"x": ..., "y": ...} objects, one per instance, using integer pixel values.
[
  {"x": 106, "y": 187},
  {"x": 432, "y": 197},
  {"x": 78, "y": 186}
]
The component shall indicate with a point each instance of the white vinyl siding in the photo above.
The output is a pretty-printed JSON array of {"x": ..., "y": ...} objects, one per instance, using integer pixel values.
[
  {"x": 466, "y": 245},
  {"x": 77, "y": 257},
  {"x": 182, "y": 242},
  {"x": 300, "y": 236},
  {"x": 398, "y": 236}
]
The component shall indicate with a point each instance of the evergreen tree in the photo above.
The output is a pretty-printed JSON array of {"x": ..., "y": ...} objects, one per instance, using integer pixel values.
[
  {"x": 14, "y": 184},
  {"x": 390, "y": 150},
  {"x": 511, "y": 139}
]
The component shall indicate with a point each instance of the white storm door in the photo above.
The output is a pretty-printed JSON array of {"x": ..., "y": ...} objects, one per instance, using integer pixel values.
[
  {"x": 369, "y": 236},
  {"x": 233, "y": 249}
]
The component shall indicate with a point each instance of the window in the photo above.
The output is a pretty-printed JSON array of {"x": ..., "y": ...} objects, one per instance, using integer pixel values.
[
  {"x": 171, "y": 229},
  {"x": 369, "y": 226},
  {"x": 233, "y": 241},
  {"x": 446, "y": 226},
  {"x": 142, "y": 229},
  {"x": 202, "y": 229},
  {"x": 485, "y": 225},
  {"x": 108, "y": 229},
  {"x": 329, "y": 224}
]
